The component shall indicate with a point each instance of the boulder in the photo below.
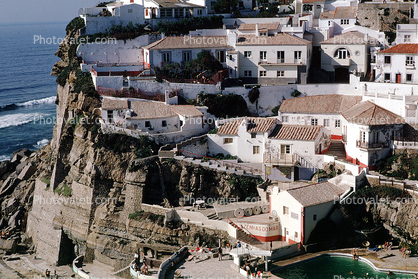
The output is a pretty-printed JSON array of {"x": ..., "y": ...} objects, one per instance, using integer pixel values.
[
  {"x": 27, "y": 172},
  {"x": 9, "y": 246}
]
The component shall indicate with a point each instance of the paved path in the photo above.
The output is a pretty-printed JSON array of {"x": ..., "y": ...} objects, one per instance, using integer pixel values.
[{"x": 212, "y": 268}]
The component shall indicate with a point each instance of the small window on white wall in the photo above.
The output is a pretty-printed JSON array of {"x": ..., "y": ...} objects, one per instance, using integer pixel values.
[
  {"x": 337, "y": 123},
  {"x": 314, "y": 121},
  {"x": 326, "y": 122},
  {"x": 285, "y": 119}
]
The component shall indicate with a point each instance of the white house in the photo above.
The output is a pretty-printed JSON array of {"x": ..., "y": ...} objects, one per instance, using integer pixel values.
[
  {"x": 173, "y": 9},
  {"x": 259, "y": 29},
  {"x": 243, "y": 137},
  {"x": 406, "y": 33},
  {"x": 342, "y": 17},
  {"x": 183, "y": 49},
  {"x": 278, "y": 59},
  {"x": 153, "y": 118},
  {"x": 396, "y": 64},
  {"x": 316, "y": 110},
  {"x": 314, "y": 7},
  {"x": 116, "y": 13},
  {"x": 344, "y": 54},
  {"x": 367, "y": 133},
  {"x": 278, "y": 147},
  {"x": 300, "y": 209}
]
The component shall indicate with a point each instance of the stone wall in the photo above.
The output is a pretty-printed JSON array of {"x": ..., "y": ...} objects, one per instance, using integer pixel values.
[
  {"x": 372, "y": 15},
  {"x": 196, "y": 145}
]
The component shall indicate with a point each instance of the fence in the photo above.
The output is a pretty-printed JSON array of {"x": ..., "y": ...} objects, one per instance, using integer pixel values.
[{"x": 133, "y": 93}]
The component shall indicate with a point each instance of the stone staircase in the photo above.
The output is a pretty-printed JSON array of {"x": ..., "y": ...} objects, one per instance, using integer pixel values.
[
  {"x": 213, "y": 216},
  {"x": 336, "y": 149},
  {"x": 244, "y": 235}
]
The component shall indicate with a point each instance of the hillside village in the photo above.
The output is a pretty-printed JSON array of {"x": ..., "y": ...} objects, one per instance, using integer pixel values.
[{"x": 321, "y": 95}]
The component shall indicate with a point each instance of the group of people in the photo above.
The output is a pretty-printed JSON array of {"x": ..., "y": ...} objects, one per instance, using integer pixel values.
[{"x": 140, "y": 266}]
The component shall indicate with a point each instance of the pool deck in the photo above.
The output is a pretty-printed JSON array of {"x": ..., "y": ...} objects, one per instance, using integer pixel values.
[{"x": 390, "y": 259}]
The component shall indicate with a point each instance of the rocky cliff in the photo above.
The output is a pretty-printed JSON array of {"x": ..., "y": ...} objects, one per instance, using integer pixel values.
[{"x": 82, "y": 193}]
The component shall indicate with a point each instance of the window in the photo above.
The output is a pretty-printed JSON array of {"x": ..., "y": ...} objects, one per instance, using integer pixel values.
[
  {"x": 186, "y": 56},
  {"x": 263, "y": 34},
  {"x": 307, "y": 7},
  {"x": 375, "y": 137},
  {"x": 221, "y": 56},
  {"x": 256, "y": 149},
  {"x": 296, "y": 234},
  {"x": 285, "y": 210},
  {"x": 263, "y": 55},
  {"x": 253, "y": 135},
  {"x": 247, "y": 73},
  {"x": 228, "y": 140},
  {"x": 314, "y": 217},
  {"x": 147, "y": 124},
  {"x": 280, "y": 73},
  {"x": 247, "y": 54},
  {"x": 363, "y": 136},
  {"x": 285, "y": 119},
  {"x": 409, "y": 61},
  {"x": 408, "y": 77},
  {"x": 345, "y": 21},
  {"x": 199, "y": 12},
  {"x": 314, "y": 121},
  {"x": 387, "y": 77},
  {"x": 280, "y": 57},
  {"x": 164, "y": 123},
  {"x": 337, "y": 123},
  {"x": 342, "y": 53},
  {"x": 181, "y": 123},
  {"x": 406, "y": 38},
  {"x": 298, "y": 54},
  {"x": 166, "y": 57},
  {"x": 318, "y": 7},
  {"x": 329, "y": 22},
  {"x": 285, "y": 149},
  {"x": 110, "y": 116},
  {"x": 130, "y": 11},
  {"x": 326, "y": 122},
  {"x": 263, "y": 73},
  {"x": 387, "y": 59}
]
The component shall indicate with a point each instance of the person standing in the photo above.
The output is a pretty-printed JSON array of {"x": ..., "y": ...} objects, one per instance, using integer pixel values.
[{"x": 220, "y": 253}]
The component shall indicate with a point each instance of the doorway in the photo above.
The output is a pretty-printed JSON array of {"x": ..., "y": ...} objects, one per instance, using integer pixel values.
[
  {"x": 398, "y": 78},
  {"x": 342, "y": 75}
]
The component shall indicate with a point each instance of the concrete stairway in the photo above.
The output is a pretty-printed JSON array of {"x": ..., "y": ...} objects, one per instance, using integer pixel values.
[
  {"x": 213, "y": 216},
  {"x": 336, "y": 149}
]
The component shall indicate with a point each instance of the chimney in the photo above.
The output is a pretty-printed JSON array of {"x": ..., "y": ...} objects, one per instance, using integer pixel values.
[
  {"x": 366, "y": 37},
  {"x": 167, "y": 97}
]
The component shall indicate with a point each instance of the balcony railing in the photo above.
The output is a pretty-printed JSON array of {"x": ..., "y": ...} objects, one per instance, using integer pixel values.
[
  {"x": 410, "y": 64},
  {"x": 279, "y": 159},
  {"x": 369, "y": 145}
]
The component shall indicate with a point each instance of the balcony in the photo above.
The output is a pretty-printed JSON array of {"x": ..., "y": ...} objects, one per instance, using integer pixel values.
[
  {"x": 410, "y": 64},
  {"x": 341, "y": 62},
  {"x": 278, "y": 62},
  {"x": 369, "y": 145},
  {"x": 279, "y": 159}
]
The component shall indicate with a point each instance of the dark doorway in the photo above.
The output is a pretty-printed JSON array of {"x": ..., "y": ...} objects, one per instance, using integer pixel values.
[
  {"x": 398, "y": 78},
  {"x": 341, "y": 75},
  {"x": 67, "y": 250}
]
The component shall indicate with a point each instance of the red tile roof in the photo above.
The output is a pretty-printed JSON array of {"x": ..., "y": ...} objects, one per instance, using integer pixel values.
[
  {"x": 402, "y": 48},
  {"x": 255, "y": 124},
  {"x": 321, "y": 104},
  {"x": 368, "y": 113},
  {"x": 151, "y": 110},
  {"x": 186, "y": 110},
  {"x": 296, "y": 132},
  {"x": 111, "y": 103},
  {"x": 189, "y": 42},
  {"x": 314, "y": 194},
  {"x": 277, "y": 39},
  {"x": 261, "y": 26},
  {"x": 340, "y": 12},
  {"x": 327, "y": 15},
  {"x": 348, "y": 38}
]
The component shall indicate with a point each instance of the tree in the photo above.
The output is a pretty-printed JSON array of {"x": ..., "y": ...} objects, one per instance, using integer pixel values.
[{"x": 225, "y": 6}]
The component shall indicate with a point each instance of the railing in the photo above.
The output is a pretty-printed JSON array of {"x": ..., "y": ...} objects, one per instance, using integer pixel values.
[
  {"x": 244, "y": 230},
  {"x": 133, "y": 93},
  {"x": 369, "y": 145},
  {"x": 280, "y": 159},
  {"x": 223, "y": 163},
  {"x": 303, "y": 161}
]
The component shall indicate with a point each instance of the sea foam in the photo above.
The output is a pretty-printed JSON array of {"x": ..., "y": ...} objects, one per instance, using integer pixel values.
[{"x": 18, "y": 119}]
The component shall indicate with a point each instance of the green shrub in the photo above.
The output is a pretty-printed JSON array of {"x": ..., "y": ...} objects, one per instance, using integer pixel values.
[
  {"x": 212, "y": 132},
  {"x": 224, "y": 105},
  {"x": 47, "y": 181},
  {"x": 142, "y": 216},
  {"x": 295, "y": 93},
  {"x": 64, "y": 190},
  {"x": 254, "y": 94},
  {"x": 275, "y": 110}
]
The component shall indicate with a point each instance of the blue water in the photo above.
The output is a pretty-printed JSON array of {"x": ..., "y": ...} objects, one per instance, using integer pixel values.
[
  {"x": 27, "y": 91},
  {"x": 333, "y": 268}
]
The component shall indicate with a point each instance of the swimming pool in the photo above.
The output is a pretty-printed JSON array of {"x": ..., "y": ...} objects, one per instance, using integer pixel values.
[{"x": 334, "y": 266}]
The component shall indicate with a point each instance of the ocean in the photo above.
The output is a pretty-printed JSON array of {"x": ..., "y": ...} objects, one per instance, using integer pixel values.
[{"x": 27, "y": 91}]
